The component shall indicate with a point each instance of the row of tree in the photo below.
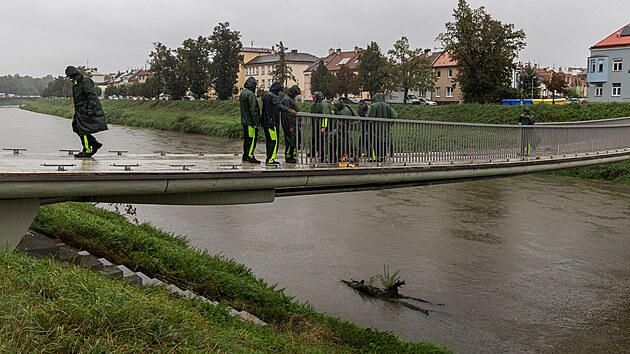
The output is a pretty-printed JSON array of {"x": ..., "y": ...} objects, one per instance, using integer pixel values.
[
  {"x": 484, "y": 48},
  {"x": 23, "y": 85}
]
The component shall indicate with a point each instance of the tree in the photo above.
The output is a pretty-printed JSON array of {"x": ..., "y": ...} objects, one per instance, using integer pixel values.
[
  {"x": 59, "y": 87},
  {"x": 556, "y": 84},
  {"x": 321, "y": 80},
  {"x": 165, "y": 68},
  {"x": 225, "y": 48},
  {"x": 282, "y": 72},
  {"x": 530, "y": 82},
  {"x": 372, "y": 69},
  {"x": 410, "y": 69},
  {"x": 194, "y": 65},
  {"x": 484, "y": 49},
  {"x": 344, "y": 82}
]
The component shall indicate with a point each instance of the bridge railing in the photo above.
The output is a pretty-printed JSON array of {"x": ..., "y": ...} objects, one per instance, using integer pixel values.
[{"x": 331, "y": 139}]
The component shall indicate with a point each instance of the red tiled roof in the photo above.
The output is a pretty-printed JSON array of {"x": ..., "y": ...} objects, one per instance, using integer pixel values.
[
  {"x": 619, "y": 38},
  {"x": 444, "y": 60},
  {"x": 335, "y": 60}
]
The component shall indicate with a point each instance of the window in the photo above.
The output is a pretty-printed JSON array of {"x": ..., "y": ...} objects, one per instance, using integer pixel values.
[
  {"x": 270, "y": 70},
  {"x": 262, "y": 83},
  {"x": 593, "y": 65},
  {"x": 343, "y": 61},
  {"x": 449, "y": 91},
  {"x": 256, "y": 71},
  {"x": 438, "y": 91},
  {"x": 248, "y": 72},
  {"x": 600, "y": 65},
  {"x": 438, "y": 74},
  {"x": 617, "y": 64},
  {"x": 599, "y": 89},
  {"x": 616, "y": 89},
  {"x": 450, "y": 72}
]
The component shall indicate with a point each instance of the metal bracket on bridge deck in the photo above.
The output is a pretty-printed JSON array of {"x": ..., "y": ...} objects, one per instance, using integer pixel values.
[
  {"x": 162, "y": 153},
  {"x": 15, "y": 151},
  {"x": 184, "y": 167},
  {"x": 61, "y": 167},
  {"x": 127, "y": 167},
  {"x": 232, "y": 167},
  {"x": 70, "y": 151},
  {"x": 119, "y": 152}
]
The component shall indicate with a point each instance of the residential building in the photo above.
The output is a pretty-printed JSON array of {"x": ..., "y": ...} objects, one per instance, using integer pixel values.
[
  {"x": 445, "y": 69},
  {"x": 249, "y": 53},
  {"x": 607, "y": 76},
  {"x": 261, "y": 67},
  {"x": 333, "y": 61}
]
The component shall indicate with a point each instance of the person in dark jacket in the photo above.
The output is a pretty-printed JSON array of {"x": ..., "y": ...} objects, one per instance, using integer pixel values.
[
  {"x": 527, "y": 136},
  {"x": 271, "y": 107},
  {"x": 288, "y": 124},
  {"x": 380, "y": 130},
  {"x": 341, "y": 137},
  {"x": 250, "y": 119},
  {"x": 89, "y": 117},
  {"x": 319, "y": 126},
  {"x": 365, "y": 130}
]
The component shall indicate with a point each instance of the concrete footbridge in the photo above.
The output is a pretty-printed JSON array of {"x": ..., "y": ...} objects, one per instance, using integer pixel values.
[{"x": 335, "y": 154}]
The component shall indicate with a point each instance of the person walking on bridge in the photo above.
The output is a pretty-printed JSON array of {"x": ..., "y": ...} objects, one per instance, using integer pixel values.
[
  {"x": 380, "y": 131},
  {"x": 271, "y": 108},
  {"x": 89, "y": 117},
  {"x": 288, "y": 124},
  {"x": 250, "y": 119},
  {"x": 341, "y": 137},
  {"x": 527, "y": 136},
  {"x": 319, "y": 126}
]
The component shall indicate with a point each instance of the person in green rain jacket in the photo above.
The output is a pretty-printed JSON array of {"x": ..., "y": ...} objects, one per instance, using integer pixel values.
[
  {"x": 250, "y": 119},
  {"x": 380, "y": 131},
  {"x": 89, "y": 117},
  {"x": 341, "y": 138},
  {"x": 288, "y": 124},
  {"x": 320, "y": 131}
]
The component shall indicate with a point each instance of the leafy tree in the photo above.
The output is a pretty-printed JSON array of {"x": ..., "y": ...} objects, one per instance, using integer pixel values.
[
  {"x": 345, "y": 82},
  {"x": 556, "y": 84},
  {"x": 59, "y": 87},
  {"x": 23, "y": 85},
  {"x": 282, "y": 72},
  {"x": 410, "y": 69},
  {"x": 194, "y": 65},
  {"x": 151, "y": 87},
  {"x": 225, "y": 48},
  {"x": 372, "y": 69},
  {"x": 530, "y": 82},
  {"x": 321, "y": 80},
  {"x": 164, "y": 66},
  {"x": 484, "y": 49}
]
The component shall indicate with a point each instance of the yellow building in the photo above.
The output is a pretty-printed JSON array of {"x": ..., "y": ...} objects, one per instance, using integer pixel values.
[
  {"x": 249, "y": 53},
  {"x": 446, "y": 91},
  {"x": 261, "y": 68}
]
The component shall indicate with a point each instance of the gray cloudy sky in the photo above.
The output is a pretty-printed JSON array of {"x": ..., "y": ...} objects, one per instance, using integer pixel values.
[{"x": 39, "y": 37}]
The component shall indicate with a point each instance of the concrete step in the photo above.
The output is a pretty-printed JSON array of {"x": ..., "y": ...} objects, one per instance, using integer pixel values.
[{"x": 37, "y": 245}]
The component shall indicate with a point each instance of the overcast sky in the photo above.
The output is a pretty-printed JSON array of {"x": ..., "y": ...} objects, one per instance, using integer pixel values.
[{"x": 39, "y": 37}]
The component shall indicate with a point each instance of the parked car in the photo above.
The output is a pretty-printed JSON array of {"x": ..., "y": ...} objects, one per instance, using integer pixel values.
[
  {"x": 348, "y": 100},
  {"x": 424, "y": 101}
]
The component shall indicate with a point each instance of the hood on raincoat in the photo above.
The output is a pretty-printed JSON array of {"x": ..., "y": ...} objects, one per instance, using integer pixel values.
[
  {"x": 319, "y": 96},
  {"x": 276, "y": 87},
  {"x": 378, "y": 97},
  {"x": 73, "y": 72},
  {"x": 251, "y": 84},
  {"x": 294, "y": 91},
  {"x": 338, "y": 105}
]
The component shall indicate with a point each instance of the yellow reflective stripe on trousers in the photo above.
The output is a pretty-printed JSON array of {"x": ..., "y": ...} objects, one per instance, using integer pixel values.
[
  {"x": 86, "y": 144},
  {"x": 252, "y": 134},
  {"x": 274, "y": 137},
  {"x": 324, "y": 122}
]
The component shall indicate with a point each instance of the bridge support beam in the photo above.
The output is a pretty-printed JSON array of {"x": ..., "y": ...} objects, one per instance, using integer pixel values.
[{"x": 16, "y": 215}]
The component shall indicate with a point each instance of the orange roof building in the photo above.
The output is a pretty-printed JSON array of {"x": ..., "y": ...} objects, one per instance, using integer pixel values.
[{"x": 608, "y": 75}]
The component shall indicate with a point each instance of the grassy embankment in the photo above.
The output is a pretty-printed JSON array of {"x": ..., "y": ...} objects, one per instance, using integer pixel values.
[
  {"x": 221, "y": 118},
  {"x": 51, "y": 308}
]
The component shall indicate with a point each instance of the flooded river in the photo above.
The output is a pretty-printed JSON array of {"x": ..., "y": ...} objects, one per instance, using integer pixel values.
[{"x": 526, "y": 264}]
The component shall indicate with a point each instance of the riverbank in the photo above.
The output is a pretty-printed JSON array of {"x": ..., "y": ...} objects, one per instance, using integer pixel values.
[
  {"x": 51, "y": 307},
  {"x": 222, "y": 119}
]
